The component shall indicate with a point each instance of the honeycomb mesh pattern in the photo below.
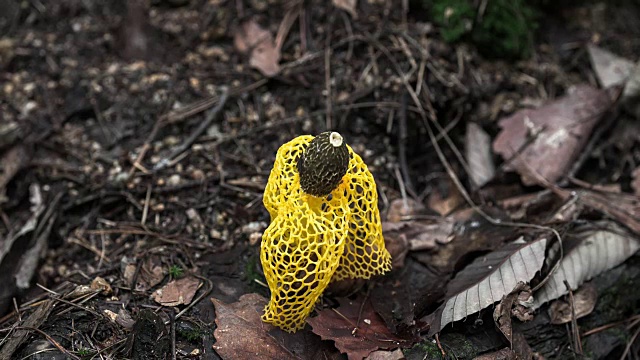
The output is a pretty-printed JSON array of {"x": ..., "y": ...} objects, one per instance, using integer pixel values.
[{"x": 314, "y": 240}]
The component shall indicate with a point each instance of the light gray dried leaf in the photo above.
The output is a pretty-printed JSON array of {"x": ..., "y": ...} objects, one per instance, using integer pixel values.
[
  {"x": 609, "y": 68},
  {"x": 487, "y": 279},
  {"x": 601, "y": 249},
  {"x": 478, "y": 154}
]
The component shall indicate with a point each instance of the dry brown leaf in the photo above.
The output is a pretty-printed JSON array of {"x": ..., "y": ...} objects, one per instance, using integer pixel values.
[
  {"x": 396, "y": 243},
  {"x": 356, "y": 329},
  {"x": 609, "y": 68},
  {"x": 264, "y": 55},
  {"x": 584, "y": 301},
  {"x": 177, "y": 292},
  {"x": 549, "y": 139},
  {"x": 101, "y": 284},
  {"x": 502, "y": 312},
  {"x": 522, "y": 348},
  {"x": 348, "y": 6},
  {"x": 635, "y": 183},
  {"x": 241, "y": 334},
  {"x": 445, "y": 198}
]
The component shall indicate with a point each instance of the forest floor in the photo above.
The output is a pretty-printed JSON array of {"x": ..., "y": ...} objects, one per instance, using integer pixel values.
[{"x": 136, "y": 141}]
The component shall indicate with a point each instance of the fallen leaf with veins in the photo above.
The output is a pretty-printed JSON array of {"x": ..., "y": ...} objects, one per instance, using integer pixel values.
[
  {"x": 264, "y": 54},
  {"x": 488, "y": 278},
  {"x": 589, "y": 251},
  {"x": 241, "y": 334},
  {"x": 177, "y": 292},
  {"x": 151, "y": 273},
  {"x": 356, "y": 329}
]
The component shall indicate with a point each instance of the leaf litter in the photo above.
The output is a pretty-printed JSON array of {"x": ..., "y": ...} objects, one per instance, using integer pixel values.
[
  {"x": 550, "y": 138},
  {"x": 241, "y": 334},
  {"x": 486, "y": 280},
  {"x": 357, "y": 329},
  {"x": 594, "y": 249},
  {"x": 260, "y": 45},
  {"x": 96, "y": 151}
]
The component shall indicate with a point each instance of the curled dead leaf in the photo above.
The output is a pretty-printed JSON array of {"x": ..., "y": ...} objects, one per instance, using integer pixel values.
[
  {"x": 177, "y": 292},
  {"x": 101, "y": 284},
  {"x": 584, "y": 301}
]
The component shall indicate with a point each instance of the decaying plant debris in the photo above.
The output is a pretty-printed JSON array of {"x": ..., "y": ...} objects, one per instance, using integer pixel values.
[{"x": 137, "y": 137}]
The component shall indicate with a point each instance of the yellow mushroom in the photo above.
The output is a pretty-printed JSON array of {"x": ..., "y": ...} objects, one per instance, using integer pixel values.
[{"x": 329, "y": 231}]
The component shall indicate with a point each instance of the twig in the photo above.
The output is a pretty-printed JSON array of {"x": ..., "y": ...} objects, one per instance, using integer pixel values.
[
  {"x": 285, "y": 25},
  {"x": 629, "y": 344},
  {"x": 145, "y": 211},
  {"x": 199, "y": 298},
  {"x": 454, "y": 177},
  {"x": 402, "y": 139},
  {"x": 197, "y": 132},
  {"x": 172, "y": 327},
  {"x": 574, "y": 322},
  {"x": 327, "y": 82},
  {"x": 444, "y": 354},
  {"x": 51, "y": 340},
  {"x": 609, "y": 326}
]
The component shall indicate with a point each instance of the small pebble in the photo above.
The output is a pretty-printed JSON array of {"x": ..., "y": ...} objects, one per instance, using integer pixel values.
[{"x": 173, "y": 180}]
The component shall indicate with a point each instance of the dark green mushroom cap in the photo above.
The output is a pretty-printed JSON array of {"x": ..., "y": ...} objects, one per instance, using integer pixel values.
[{"x": 323, "y": 164}]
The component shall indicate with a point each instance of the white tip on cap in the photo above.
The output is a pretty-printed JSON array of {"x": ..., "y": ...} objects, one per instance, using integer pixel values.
[{"x": 335, "y": 139}]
